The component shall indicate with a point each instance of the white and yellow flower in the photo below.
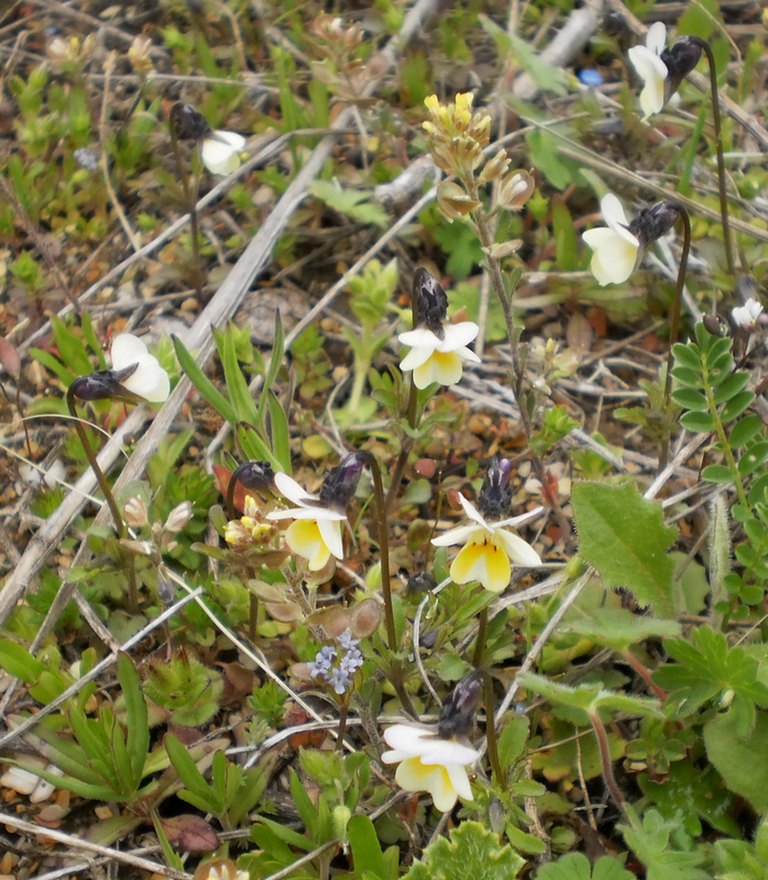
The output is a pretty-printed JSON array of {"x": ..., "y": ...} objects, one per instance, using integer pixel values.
[
  {"x": 433, "y": 359},
  {"x": 616, "y": 249},
  {"x": 221, "y": 150},
  {"x": 148, "y": 380},
  {"x": 489, "y": 549},
  {"x": 747, "y": 316},
  {"x": 430, "y": 763},
  {"x": 316, "y": 533},
  {"x": 651, "y": 69}
]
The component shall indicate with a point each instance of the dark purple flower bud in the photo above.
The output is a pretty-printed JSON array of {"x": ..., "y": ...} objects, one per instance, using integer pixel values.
[
  {"x": 616, "y": 25},
  {"x": 257, "y": 475},
  {"x": 421, "y": 582},
  {"x": 715, "y": 325},
  {"x": 104, "y": 385},
  {"x": 341, "y": 482},
  {"x": 458, "y": 710},
  {"x": 187, "y": 123},
  {"x": 655, "y": 222},
  {"x": 495, "y": 496},
  {"x": 430, "y": 303},
  {"x": 680, "y": 60}
]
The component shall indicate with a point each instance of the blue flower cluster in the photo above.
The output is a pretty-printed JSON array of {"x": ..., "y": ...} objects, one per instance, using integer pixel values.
[{"x": 337, "y": 666}]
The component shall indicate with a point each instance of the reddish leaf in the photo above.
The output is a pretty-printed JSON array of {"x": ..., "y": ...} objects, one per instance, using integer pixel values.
[
  {"x": 9, "y": 359},
  {"x": 190, "y": 833}
]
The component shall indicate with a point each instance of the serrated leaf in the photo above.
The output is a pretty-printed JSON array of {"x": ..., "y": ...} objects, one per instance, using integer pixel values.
[
  {"x": 707, "y": 668},
  {"x": 472, "y": 851},
  {"x": 623, "y": 535},
  {"x": 651, "y": 844},
  {"x": 575, "y": 866}
]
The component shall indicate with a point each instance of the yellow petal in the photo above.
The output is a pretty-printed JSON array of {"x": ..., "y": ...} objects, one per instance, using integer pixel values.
[
  {"x": 443, "y": 367},
  {"x": 412, "y": 775},
  {"x": 482, "y": 561},
  {"x": 304, "y": 538}
]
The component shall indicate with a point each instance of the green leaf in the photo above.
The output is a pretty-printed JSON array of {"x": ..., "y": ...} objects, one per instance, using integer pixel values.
[
  {"x": 742, "y": 761},
  {"x": 744, "y": 430},
  {"x": 472, "y": 851},
  {"x": 546, "y": 76},
  {"x": 18, "y": 662},
  {"x": 690, "y": 399},
  {"x": 707, "y": 668},
  {"x": 623, "y": 535},
  {"x": 512, "y": 740},
  {"x": 202, "y": 383},
  {"x": 273, "y": 368},
  {"x": 618, "y": 628},
  {"x": 280, "y": 434},
  {"x": 575, "y": 866},
  {"x": 356, "y": 204},
  {"x": 698, "y": 422},
  {"x": 137, "y": 719},
  {"x": 651, "y": 844},
  {"x": 237, "y": 385},
  {"x": 717, "y": 473},
  {"x": 366, "y": 851}
]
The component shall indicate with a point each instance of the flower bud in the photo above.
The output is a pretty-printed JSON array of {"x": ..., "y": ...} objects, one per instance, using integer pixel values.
[
  {"x": 430, "y": 302},
  {"x": 135, "y": 510},
  {"x": 456, "y": 714},
  {"x": 178, "y": 517},
  {"x": 187, "y": 123},
  {"x": 515, "y": 190},
  {"x": 494, "y": 168},
  {"x": 257, "y": 475},
  {"x": 495, "y": 497},
  {"x": 655, "y": 222},
  {"x": 340, "y": 483},
  {"x": 680, "y": 60},
  {"x": 454, "y": 202},
  {"x": 101, "y": 385}
]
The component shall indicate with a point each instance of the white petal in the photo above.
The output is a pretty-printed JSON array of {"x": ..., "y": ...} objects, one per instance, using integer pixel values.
[
  {"x": 405, "y": 738},
  {"x": 459, "y": 535},
  {"x": 416, "y": 357},
  {"x": 472, "y": 512},
  {"x": 446, "y": 751},
  {"x": 293, "y": 491},
  {"x": 221, "y": 152},
  {"x": 319, "y": 514},
  {"x": 520, "y": 519},
  {"x": 613, "y": 210},
  {"x": 519, "y": 551},
  {"x": 466, "y": 354},
  {"x": 331, "y": 534},
  {"x": 458, "y": 335},
  {"x": 656, "y": 38},
  {"x": 127, "y": 349},
  {"x": 419, "y": 337},
  {"x": 149, "y": 380}
]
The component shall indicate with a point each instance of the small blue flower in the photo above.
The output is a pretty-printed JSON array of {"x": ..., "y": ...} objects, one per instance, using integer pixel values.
[{"x": 590, "y": 77}]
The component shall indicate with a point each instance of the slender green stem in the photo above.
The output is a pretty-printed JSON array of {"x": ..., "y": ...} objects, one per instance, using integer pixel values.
[
  {"x": 716, "y": 119},
  {"x": 490, "y": 731},
  {"x": 343, "y": 712},
  {"x": 253, "y": 617},
  {"x": 190, "y": 197},
  {"x": 383, "y": 537},
  {"x": 482, "y": 631},
  {"x": 726, "y": 446},
  {"x": 106, "y": 491},
  {"x": 674, "y": 318},
  {"x": 412, "y": 415},
  {"x": 606, "y": 761},
  {"x": 98, "y": 473}
]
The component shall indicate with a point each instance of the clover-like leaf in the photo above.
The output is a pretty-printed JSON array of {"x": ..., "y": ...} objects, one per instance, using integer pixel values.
[{"x": 575, "y": 866}]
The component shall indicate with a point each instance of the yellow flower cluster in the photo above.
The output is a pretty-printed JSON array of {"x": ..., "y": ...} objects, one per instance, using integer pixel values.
[
  {"x": 456, "y": 135},
  {"x": 250, "y": 529}
]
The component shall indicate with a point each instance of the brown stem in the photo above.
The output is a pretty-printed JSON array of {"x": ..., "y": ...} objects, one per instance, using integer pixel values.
[
  {"x": 706, "y": 48},
  {"x": 343, "y": 712},
  {"x": 253, "y": 617},
  {"x": 482, "y": 631},
  {"x": 642, "y": 670},
  {"x": 606, "y": 761}
]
